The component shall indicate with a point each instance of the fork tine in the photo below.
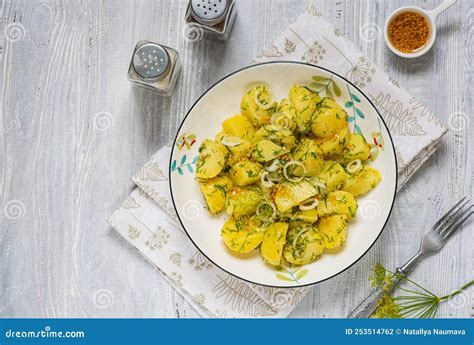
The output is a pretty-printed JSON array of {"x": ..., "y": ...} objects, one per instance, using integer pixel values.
[
  {"x": 456, "y": 225},
  {"x": 448, "y": 216}
]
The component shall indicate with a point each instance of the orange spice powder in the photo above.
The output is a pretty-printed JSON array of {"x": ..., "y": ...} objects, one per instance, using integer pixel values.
[{"x": 408, "y": 32}]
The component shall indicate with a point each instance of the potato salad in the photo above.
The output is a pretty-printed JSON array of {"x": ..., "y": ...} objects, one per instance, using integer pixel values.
[{"x": 287, "y": 174}]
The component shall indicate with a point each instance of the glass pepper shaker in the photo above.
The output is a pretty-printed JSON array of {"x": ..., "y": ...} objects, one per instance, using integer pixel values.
[
  {"x": 154, "y": 66},
  {"x": 210, "y": 18}
]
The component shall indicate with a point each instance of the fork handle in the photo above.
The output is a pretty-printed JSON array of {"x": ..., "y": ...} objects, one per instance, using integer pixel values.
[{"x": 369, "y": 304}]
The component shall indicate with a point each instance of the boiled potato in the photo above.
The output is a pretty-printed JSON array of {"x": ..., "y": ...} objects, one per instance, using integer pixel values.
[
  {"x": 335, "y": 144},
  {"x": 273, "y": 241},
  {"x": 265, "y": 151},
  {"x": 239, "y": 126},
  {"x": 241, "y": 235},
  {"x": 333, "y": 230},
  {"x": 287, "y": 109},
  {"x": 333, "y": 176},
  {"x": 338, "y": 202},
  {"x": 356, "y": 148},
  {"x": 243, "y": 201},
  {"x": 250, "y": 109},
  {"x": 215, "y": 191},
  {"x": 363, "y": 181},
  {"x": 245, "y": 172},
  {"x": 289, "y": 194},
  {"x": 212, "y": 159},
  {"x": 328, "y": 119},
  {"x": 307, "y": 216},
  {"x": 277, "y": 134},
  {"x": 305, "y": 102},
  {"x": 304, "y": 245},
  {"x": 308, "y": 153},
  {"x": 237, "y": 152}
]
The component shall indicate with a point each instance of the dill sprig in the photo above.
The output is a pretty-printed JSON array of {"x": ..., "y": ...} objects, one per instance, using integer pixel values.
[{"x": 416, "y": 302}]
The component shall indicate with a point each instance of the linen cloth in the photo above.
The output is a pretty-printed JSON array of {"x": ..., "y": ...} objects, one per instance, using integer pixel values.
[{"x": 147, "y": 220}]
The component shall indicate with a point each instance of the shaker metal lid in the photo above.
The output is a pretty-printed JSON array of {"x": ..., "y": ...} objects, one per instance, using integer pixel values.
[
  {"x": 151, "y": 61},
  {"x": 209, "y": 12}
]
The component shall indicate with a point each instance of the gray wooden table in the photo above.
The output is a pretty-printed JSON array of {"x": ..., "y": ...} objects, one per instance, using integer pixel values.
[{"x": 73, "y": 131}]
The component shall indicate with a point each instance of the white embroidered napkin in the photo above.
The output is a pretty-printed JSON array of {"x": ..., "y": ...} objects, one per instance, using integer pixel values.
[{"x": 147, "y": 218}]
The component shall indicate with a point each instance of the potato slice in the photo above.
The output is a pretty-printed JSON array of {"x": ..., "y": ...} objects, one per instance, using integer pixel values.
[
  {"x": 241, "y": 235},
  {"x": 304, "y": 245},
  {"x": 289, "y": 194},
  {"x": 239, "y": 126},
  {"x": 338, "y": 202},
  {"x": 333, "y": 230},
  {"x": 250, "y": 109},
  {"x": 265, "y": 151},
  {"x": 307, "y": 216},
  {"x": 245, "y": 172},
  {"x": 308, "y": 153},
  {"x": 277, "y": 134},
  {"x": 356, "y": 148},
  {"x": 335, "y": 144},
  {"x": 212, "y": 159},
  {"x": 273, "y": 242},
  {"x": 305, "y": 102},
  {"x": 333, "y": 176},
  {"x": 215, "y": 191},
  {"x": 287, "y": 109},
  {"x": 363, "y": 181},
  {"x": 243, "y": 201},
  {"x": 328, "y": 119}
]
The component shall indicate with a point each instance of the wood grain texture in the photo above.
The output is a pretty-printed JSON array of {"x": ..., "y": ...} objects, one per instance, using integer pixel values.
[{"x": 64, "y": 81}]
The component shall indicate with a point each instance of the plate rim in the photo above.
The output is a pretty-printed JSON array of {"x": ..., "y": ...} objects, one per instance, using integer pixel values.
[{"x": 254, "y": 66}]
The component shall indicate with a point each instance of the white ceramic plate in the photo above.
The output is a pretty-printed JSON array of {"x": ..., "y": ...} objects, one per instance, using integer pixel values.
[{"x": 204, "y": 121}]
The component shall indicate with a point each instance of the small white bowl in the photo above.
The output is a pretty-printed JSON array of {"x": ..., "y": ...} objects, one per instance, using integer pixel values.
[{"x": 430, "y": 17}]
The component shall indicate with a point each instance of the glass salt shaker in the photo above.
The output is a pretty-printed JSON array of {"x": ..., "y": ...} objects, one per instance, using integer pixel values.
[
  {"x": 210, "y": 18},
  {"x": 154, "y": 66}
]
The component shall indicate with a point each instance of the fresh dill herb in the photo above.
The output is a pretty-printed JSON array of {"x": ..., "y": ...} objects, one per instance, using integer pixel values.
[{"x": 416, "y": 302}]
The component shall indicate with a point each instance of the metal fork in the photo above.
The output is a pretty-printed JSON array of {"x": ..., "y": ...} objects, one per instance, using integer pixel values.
[{"x": 431, "y": 242}]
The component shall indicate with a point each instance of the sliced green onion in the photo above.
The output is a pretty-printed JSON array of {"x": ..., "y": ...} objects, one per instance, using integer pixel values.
[
  {"x": 265, "y": 179},
  {"x": 296, "y": 164},
  {"x": 274, "y": 166},
  {"x": 354, "y": 166},
  {"x": 268, "y": 104},
  {"x": 266, "y": 210},
  {"x": 230, "y": 140},
  {"x": 308, "y": 204},
  {"x": 282, "y": 119}
]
